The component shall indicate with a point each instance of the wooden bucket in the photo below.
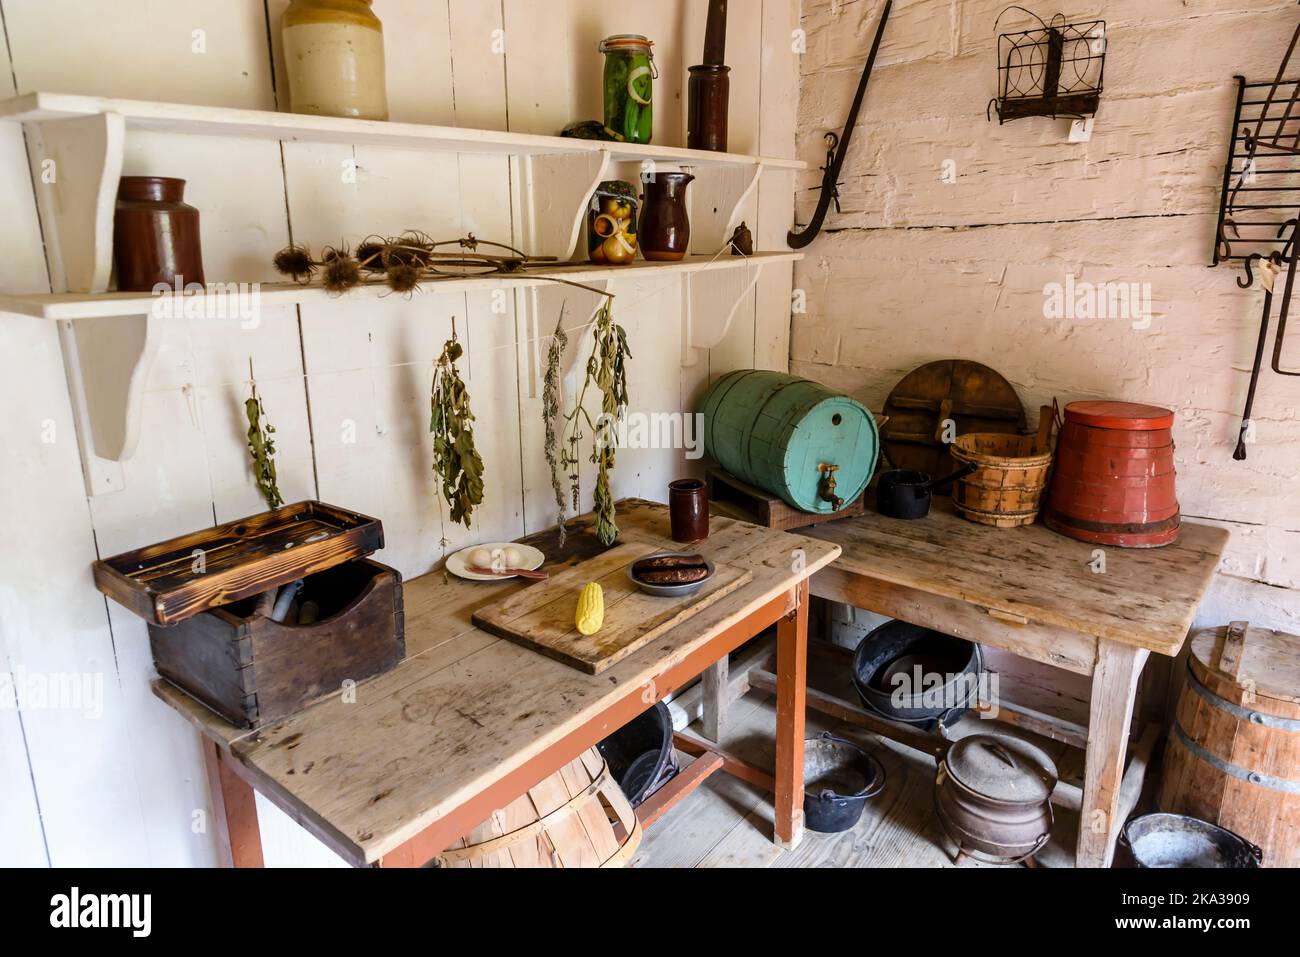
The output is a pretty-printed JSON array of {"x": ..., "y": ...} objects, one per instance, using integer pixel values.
[
  {"x": 1113, "y": 483},
  {"x": 781, "y": 434},
  {"x": 1233, "y": 755},
  {"x": 1006, "y": 490},
  {"x": 577, "y": 817}
]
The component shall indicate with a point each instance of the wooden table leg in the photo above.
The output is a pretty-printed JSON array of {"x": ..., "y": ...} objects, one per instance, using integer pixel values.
[
  {"x": 234, "y": 811},
  {"x": 715, "y": 700},
  {"x": 1114, "y": 687},
  {"x": 791, "y": 691}
]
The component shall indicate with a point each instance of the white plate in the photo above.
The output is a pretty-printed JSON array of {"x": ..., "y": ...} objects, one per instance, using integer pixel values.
[{"x": 530, "y": 557}]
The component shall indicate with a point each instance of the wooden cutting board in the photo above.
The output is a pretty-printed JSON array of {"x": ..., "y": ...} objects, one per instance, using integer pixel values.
[{"x": 541, "y": 616}]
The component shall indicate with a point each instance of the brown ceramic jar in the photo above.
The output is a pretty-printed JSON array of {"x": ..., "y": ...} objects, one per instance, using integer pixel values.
[
  {"x": 155, "y": 235},
  {"x": 688, "y": 510}
]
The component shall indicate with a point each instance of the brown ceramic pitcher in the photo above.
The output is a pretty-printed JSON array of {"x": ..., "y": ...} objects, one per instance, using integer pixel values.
[
  {"x": 155, "y": 235},
  {"x": 665, "y": 233}
]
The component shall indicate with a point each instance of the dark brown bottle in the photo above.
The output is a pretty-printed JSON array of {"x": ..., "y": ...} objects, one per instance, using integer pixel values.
[
  {"x": 665, "y": 233},
  {"x": 155, "y": 235}
]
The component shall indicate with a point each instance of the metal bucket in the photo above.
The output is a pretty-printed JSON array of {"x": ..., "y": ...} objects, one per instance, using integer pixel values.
[
  {"x": 898, "y": 647},
  {"x": 640, "y": 754},
  {"x": 839, "y": 779},
  {"x": 1176, "y": 840}
]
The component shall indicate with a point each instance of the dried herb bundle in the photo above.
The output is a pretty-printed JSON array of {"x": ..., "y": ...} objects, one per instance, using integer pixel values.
[
  {"x": 457, "y": 462},
  {"x": 402, "y": 262},
  {"x": 261, "y": 445},
  {"x": 551, "y": 403},
  {"x": 607, "y": 371}
]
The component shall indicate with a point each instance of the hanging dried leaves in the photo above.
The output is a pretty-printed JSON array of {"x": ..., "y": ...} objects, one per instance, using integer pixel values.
[
  {"x": 455, "y": 459},
  {"x": 261, "y": 445},
  {"x": 607, "y": 371},
  {"x": 551, "y": 406}
]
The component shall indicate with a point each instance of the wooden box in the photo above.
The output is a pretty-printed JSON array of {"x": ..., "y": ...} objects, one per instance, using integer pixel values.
[
  {"x": 173, "y": 580},
  {"x": 252, "y": 670}
]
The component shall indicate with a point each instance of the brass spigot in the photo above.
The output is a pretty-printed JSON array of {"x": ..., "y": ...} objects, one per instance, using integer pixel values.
[{"x": 827, "y": 490}]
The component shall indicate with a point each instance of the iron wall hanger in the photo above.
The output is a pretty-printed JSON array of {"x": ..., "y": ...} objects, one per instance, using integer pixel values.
[
  {"x": 831, "y": 173},
  {"x": 1259, "y": 206},
  {"x": 1053, "y": 71}
]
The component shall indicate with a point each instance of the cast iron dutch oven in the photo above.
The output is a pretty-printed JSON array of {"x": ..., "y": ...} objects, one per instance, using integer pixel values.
[{"x": 992, "y": 793}]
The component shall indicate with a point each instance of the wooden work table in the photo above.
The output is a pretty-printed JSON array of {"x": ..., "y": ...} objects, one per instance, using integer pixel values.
[
  {"x": 468, "y": 722},
  {"x": 1042, "y": 596}
]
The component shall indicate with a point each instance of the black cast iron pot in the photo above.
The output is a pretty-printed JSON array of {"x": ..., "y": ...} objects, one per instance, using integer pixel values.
[{"x": 905, "y": 493}]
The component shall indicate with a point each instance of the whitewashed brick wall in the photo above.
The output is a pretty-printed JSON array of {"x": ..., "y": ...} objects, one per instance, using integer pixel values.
[{"x": 916, "y": 269}]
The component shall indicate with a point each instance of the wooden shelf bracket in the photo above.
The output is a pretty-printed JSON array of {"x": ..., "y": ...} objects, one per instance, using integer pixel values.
[
  {"x": 710, "y": 304},
  {"x": 76, "y": 164},
  {"x": 557, "y": 189}
]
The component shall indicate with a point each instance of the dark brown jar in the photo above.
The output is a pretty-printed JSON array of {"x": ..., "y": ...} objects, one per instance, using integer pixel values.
[
  {"x": 707, "y": 93},
  {"x": 665, "y": 234},
  {"x": 155, "y": 235},
  {"x": 688, "y": 510}
]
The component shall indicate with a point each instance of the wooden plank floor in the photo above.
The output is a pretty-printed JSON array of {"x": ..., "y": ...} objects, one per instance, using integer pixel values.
[{"x": 728, "y": 823}]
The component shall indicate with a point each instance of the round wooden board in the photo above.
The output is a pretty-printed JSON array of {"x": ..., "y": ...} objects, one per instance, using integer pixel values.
[{"x": 975, "y": 397}]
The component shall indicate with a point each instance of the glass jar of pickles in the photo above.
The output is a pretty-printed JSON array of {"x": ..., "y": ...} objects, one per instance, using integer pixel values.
[
  {"x": 611, "y": 224},
  {"x": 629, "y": 86},
  {"x": 334, "y": 54}
]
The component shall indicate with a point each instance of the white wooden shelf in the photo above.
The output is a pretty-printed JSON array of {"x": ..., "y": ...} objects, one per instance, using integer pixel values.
[
  {"x": 71, "y": 306},
  {"x": 76, "y": 146},
  {"x": 298, "y": 128}
]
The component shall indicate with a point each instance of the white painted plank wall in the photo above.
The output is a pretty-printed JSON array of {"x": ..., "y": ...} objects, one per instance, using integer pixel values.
[
  {"x": 345, "y": 384},
  {"x": 916, "y": 269}
]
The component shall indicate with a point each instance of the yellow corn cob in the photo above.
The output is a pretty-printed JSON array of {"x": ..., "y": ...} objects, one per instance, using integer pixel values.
[{"x": 591, "y": 609}]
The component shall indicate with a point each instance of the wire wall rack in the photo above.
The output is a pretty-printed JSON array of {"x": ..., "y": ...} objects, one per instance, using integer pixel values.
[{"x": 1055, "y": 70}]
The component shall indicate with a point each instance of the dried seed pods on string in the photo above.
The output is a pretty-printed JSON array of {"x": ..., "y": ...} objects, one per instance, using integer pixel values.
[
  {"x": 455, "y": 459},
  {"x": 261, "y": 445}
]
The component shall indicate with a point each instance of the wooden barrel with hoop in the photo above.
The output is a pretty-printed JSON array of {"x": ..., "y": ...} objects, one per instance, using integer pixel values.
[
  {"x": 577, "y": 817},
  {"x": 1233, "y": 756}
]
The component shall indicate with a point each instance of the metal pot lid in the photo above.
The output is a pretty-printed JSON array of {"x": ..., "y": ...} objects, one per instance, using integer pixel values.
[{"x": 1002, "y": 768}]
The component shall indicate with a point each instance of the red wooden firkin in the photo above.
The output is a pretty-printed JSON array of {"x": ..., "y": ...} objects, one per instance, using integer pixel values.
[{"x": 1113, "y": 482}]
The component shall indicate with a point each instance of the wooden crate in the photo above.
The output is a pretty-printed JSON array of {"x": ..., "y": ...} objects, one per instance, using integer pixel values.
[
  {"x": 252, "y": 670},
  {"x": 763, "y": 508}
]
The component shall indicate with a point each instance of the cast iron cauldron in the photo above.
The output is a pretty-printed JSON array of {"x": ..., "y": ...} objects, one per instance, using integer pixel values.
[
  {"x": 839, "y": 779},
  {"x": 1176, "y": 840},
  {"x": 905, "y": 493}
]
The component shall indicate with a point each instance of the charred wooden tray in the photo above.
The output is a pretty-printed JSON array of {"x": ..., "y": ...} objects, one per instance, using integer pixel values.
[
  {"x": 541, "y": 616},
  {"x": 174, "y": 580}
]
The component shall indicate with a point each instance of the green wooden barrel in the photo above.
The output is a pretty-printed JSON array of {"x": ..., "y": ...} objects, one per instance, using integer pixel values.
[{"x": 773, "y": 431}]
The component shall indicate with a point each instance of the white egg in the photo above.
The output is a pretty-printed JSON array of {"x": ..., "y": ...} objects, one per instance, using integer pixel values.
[
  {"x": 480, "y": 558},
  {"x": 512, "y": 556}
]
